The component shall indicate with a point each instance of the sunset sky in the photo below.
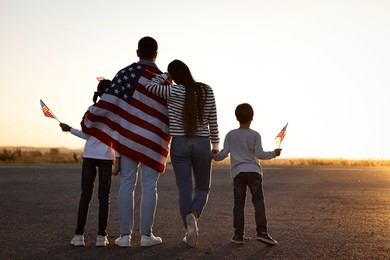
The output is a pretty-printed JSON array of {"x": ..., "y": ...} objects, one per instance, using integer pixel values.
[{"x": 321, "y": 66}]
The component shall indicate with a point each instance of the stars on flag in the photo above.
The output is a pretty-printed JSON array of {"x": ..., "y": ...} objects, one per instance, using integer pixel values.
[{"x": 124, "y": 83}]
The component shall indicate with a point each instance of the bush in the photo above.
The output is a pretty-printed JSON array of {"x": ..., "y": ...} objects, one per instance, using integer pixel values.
[{"x": 8, "y": 155}]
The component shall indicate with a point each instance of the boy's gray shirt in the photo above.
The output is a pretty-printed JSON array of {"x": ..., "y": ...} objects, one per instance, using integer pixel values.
[{"x": 245, "y": 148}]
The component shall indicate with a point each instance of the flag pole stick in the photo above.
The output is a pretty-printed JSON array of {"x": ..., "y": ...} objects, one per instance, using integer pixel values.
[
  {"x": 54, "y": 116},
  {"x": 57, "y": 119}
]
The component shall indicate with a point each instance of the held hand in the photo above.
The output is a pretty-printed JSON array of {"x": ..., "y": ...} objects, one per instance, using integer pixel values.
[
  {"x": 277, "y": 151},
  {"x": 65, "y": 127},
  {"x": 214, "y": 152},
  {"x": 116, "y": 169}
]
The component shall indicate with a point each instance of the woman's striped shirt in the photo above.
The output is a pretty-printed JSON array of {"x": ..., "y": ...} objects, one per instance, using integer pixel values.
[{"x": 175, "y": 96}]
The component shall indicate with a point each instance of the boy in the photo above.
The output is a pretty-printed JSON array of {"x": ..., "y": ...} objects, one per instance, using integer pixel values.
[{"x": 245, "y": 148}]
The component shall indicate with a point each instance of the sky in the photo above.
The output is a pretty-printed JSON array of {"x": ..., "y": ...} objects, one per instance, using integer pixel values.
[{"x": 321, "y": 66}]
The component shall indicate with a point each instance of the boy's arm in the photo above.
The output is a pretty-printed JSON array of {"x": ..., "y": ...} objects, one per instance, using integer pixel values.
[
  {"x": 260, "y": 153},
  {"x": 225, "y": 150}
]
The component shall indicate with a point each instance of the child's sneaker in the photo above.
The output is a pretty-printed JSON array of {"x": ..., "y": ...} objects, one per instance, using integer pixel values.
[
  {"x": 102, "y": 241},
  {"x": 192, "y": 230},
  {"x": 239, "y": 240},
  {"x": 123, "y": 241},
  {"x": 266, "y": 239},
  {"x": 78, "y": 240}
]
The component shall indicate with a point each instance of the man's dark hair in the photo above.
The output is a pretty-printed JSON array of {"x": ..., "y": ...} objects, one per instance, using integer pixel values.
[
  {"x": 244, "y": 113},
  {"x": 147, "y": 47}
]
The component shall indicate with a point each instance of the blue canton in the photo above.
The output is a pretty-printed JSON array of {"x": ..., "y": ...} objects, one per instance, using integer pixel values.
[{"x": 125, "y": 81}]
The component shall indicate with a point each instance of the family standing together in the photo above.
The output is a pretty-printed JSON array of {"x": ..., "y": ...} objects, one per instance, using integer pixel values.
[{"x": 142, "y": 112}]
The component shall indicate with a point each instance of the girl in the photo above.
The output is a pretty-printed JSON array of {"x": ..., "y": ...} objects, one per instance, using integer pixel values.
[{"x": 97, "y": 155}]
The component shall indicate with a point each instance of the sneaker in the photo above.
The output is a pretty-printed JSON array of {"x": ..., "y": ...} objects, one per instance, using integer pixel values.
[
  {"x": 266, "y": 239},
  {"x": 78, "y": 240},
  {"x": 192, "y": 230},
  {"x": 185, "y": 238},
  {"x": 123, "y": 241},
  {"x": 150, "y": 240},
  {"x": 102, "y": 241},
  {"x": 239, "y": 240}
]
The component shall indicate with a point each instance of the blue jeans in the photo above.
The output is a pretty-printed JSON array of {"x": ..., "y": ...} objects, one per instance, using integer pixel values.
[
  {"x": 88, "y": 176},
  {"x": 254, "y": 181},
  {"x": 128, "y": 182},
  {"x": 191, "y": 155}
]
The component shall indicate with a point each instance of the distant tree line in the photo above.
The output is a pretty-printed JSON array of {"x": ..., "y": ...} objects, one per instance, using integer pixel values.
[{"x": 53, "y": 155}]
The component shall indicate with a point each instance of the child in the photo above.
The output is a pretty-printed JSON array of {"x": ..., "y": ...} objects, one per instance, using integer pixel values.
[
  {"x": 245, "y": 148},
  {"x": 96, "y": 155}
]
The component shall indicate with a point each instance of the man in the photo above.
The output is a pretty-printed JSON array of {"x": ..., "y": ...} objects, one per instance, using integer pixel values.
[{"x": 135, "y": 123}]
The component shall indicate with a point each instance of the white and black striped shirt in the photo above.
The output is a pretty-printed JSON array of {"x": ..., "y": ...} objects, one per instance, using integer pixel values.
[{"x": 175, "y": 96}]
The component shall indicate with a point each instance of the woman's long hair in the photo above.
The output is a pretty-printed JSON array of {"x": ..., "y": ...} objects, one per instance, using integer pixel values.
[{"x": 195, "y": 96}]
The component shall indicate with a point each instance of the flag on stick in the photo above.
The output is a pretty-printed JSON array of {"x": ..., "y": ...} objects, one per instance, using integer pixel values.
[
  {"x": 47, "y": 112},
  {"x": 279, "y": 138}
]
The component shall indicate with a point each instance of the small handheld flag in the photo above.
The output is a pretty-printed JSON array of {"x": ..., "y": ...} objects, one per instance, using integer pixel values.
[
  {"x": 279, "y": 138},
  {"x": 47, "y": 112}
]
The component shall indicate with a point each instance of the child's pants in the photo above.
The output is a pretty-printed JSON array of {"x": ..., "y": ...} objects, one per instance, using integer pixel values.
[
  {"x": 88, "y": 176},
  {"x": 254, "y": 181}
]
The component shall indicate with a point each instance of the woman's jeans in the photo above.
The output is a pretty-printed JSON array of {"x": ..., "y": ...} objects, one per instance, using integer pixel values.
[
  {"x": 191, "y": 156},
  {"x": 88, "y": 176},
  {"x": 254, "y": 181},
  {"x": 128, "y": 182}
]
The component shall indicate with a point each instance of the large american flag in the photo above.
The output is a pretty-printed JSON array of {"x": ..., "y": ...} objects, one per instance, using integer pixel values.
[{"x": 130, "y": 119}]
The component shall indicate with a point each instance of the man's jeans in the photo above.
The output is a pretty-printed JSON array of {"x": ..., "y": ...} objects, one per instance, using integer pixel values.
[{"x": 128, "y": 182}]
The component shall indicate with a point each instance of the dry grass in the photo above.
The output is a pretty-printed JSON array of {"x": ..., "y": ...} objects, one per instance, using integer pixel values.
[
  {"x": 65, "y": 155},
  {"x": 317, "y": 162}
]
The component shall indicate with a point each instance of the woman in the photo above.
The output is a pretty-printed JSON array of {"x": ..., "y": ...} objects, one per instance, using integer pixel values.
[{"x": 192, "y": 125}]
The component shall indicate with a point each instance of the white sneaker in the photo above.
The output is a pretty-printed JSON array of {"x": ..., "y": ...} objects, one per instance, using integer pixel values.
[
  {"x": 102, "y": 241},
  {"x": 192, "y": 230},
  {"x": 123, "y": 241},
  {"x": 150, "y": 241},
  {"x": 185, "y": 238},
  {"x": 78, "y": 240}
]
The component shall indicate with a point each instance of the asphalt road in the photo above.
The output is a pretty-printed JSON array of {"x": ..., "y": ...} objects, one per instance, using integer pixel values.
[{"x": 313, "y": 212}]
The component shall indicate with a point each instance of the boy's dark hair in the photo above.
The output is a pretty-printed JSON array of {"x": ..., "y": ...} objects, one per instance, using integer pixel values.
[
  {"x": 244, "y": 113},
  {"x": 147, "y": 47}
]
